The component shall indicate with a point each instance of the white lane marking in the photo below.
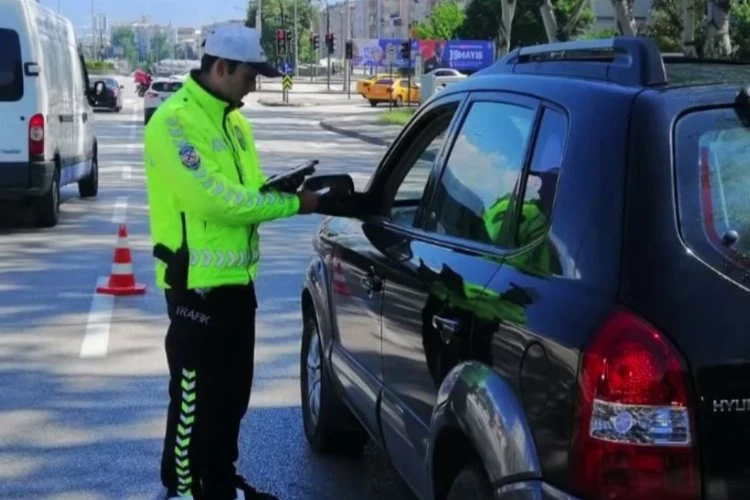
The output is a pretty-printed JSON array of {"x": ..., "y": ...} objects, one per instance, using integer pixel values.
[
  {"x": 127, "y": 170},
  {"x": 96, "y": 339},
  {"x": 121, "y": 207}
]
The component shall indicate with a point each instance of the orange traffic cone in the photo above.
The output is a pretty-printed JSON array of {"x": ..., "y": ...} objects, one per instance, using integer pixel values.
[{"x": 122, "y": 279}]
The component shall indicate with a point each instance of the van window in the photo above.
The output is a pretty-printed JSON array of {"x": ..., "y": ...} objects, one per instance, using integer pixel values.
[
  {"x": 712, "y": 184},
  {"x": 166, "y": 86},
  {"x": 11, "y": 67}
]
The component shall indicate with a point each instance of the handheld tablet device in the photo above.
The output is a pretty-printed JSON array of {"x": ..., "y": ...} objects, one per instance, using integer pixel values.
[{"x": 278, "y": 180}]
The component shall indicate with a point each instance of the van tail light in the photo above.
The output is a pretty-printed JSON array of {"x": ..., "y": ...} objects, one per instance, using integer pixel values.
[
  {"x": 36, "y": 135},
  {"x": 633, "y": 429}
]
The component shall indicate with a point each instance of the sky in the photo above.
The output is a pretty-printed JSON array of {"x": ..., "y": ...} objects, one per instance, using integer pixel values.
[{"x": 193, "y": 13}]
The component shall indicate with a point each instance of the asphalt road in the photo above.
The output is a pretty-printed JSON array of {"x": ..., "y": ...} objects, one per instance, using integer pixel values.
[{"x": 84, "y": 376}]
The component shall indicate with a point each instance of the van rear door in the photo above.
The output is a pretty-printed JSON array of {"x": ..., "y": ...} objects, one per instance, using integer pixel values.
[{"x": 14, "y": 112}]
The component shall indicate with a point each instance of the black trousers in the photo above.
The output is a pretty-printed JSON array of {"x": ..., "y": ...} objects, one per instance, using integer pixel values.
[{"x": 210, "y": 348}]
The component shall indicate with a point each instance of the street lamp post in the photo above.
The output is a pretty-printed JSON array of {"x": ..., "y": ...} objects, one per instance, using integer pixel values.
[{"x": 296, "y": 41}]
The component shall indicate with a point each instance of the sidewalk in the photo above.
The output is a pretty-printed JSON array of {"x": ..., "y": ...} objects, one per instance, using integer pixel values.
[{"x": 365, "y": 128}]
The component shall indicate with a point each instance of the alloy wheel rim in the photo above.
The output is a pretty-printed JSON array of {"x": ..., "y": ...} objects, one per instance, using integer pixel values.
[{"x": 313, "y": 378}]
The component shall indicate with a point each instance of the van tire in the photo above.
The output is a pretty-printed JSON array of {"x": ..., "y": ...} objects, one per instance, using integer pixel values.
[
  {"x": 88, "y": 187},
  {"x": 47, "y": 210}
]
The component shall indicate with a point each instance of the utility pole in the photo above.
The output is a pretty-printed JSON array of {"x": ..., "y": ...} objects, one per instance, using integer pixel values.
[
  {"x": 258, "y": 27},
  {"x": 347, "y": 32},
  {"x": 296, "y": 41},
  {"x": 94, "y": 52},
  {"x": 328, "y": 33}
]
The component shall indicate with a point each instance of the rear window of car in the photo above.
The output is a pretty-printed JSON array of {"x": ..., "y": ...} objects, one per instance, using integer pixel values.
[
  {"x": 713, "y": 189},
  {"x": 11, "y": 66},
  {"x": 166, "y": 86}
]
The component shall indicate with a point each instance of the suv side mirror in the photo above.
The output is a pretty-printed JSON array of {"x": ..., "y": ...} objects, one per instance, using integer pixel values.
[{"x": 339, "y": 184}]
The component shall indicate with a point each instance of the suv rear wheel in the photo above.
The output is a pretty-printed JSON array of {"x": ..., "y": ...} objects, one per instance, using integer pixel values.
[
  {"x": 472, "y": 483},
  {"x": 320, "y": 406}
]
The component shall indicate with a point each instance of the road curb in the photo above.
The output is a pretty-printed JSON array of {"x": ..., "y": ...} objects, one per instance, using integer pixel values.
[
  {"x": 279, "y": 104},
  {"x": 354, "y": 135}
]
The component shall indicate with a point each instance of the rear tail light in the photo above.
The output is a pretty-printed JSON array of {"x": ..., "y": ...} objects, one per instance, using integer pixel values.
[
  {"x": 633, "y": 436},
  {"x": 152, "y": 94},
  {"x": 36, "y": 135},
  {"x": 390, "y": 90}
]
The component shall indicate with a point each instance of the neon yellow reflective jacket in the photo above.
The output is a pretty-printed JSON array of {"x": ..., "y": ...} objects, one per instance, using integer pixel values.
[{"x": 201, "y": 160}]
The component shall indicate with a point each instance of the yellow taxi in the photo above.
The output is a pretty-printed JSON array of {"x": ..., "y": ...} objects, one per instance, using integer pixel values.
[
  {"x": 362, "y": 85},
  {"x": 395, "y": 90}
]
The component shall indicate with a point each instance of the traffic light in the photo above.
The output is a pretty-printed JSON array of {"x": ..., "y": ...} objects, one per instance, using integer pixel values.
[
  {"x": 406, "y": 50},
  {"x": 281, "y": 42},
  {"x": 330, "y": 43},
  {"x": 289, "y": 41},
  {"x": 349, "y": 49},
  {"x": 315, "y": 40}
]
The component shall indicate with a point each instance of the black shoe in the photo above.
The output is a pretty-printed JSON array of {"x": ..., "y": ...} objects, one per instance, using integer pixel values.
[{"x": 251, "y": 493}]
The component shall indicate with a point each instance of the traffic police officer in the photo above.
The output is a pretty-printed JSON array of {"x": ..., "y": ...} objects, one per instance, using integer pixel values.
[{"x": 205, "y": 201}]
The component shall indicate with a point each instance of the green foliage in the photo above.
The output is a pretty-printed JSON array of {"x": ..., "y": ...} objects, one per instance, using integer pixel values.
[
  {"x": 159, "y": 48},
  {"x": 279, "y": 14},
  {"x": 99, "y": 66},
  {"x": 444, "y": 23},
  {"x": 594, "y": 34},
  {"x": 739, "y": 29},
  {"x": 124, "y": 37},
  {"x": 396, "y": 117},
  {"x": 665, "y": 26},
  {"x": 483, "y": 20}
]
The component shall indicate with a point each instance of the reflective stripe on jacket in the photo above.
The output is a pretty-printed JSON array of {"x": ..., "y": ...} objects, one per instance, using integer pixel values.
[{"x": 201, "y": 160}]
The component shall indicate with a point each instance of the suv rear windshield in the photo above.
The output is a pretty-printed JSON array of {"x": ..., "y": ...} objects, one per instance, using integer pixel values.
[
  {"x": 166, "y": 86},
  {"x": 11, "y": 67},
  {"x": 713, "y": 189}
]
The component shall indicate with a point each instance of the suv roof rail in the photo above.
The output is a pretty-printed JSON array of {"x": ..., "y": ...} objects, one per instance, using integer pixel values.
[{"x": 627, "y": 60}]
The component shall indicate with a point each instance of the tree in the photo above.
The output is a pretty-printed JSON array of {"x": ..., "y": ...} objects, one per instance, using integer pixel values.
[
  {"x": 444, "y": 22},
  {"x": 566, "y": 19},
  {"x": 124, "y": 38},
  {"x": 668, "y": 25},
  {"x": 279, "y": 14},
  {"x": 483, "y": 21},
  {"x": 159, "y": 47}
]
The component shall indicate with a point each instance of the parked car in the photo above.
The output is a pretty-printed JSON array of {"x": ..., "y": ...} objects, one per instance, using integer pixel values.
[
  {"x": 160, "y": 90},
  {"x": 47, "y": 138},
  {"x": 108, "y": 94},
  {"x": 543, "y": 296}
]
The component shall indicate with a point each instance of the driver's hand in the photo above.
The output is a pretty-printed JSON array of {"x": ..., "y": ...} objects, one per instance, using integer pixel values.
[{"x": 308, "y": 201}]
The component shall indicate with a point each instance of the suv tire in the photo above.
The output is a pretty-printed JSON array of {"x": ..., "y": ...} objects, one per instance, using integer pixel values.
[
  {"x": 320, "y": 412},
  {"x": 472, "y": 483}
]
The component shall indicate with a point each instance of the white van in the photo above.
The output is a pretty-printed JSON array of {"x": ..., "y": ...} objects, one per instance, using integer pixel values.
[{"x": 46, "y": 137}]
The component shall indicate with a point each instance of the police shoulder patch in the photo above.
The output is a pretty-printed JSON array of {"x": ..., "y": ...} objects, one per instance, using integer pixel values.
[{"x": 189, "y": 157}]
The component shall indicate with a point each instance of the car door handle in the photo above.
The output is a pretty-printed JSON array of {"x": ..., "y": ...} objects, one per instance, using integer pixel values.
[
  {"x": 372, "y": 282},
  {"x": 447, "y": 327},
  {"x": 85, "y": 117}
]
